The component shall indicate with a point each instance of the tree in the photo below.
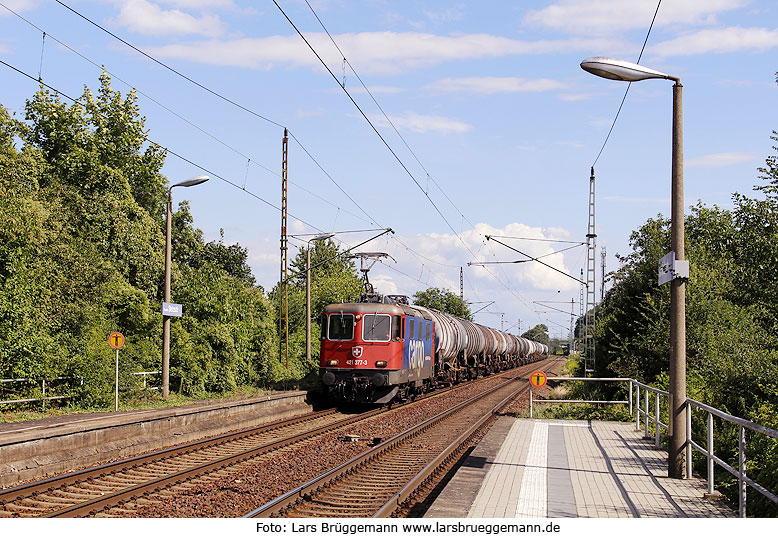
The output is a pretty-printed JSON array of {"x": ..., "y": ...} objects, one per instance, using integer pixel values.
[
  {"x": 731, "y": 319},
  {"x": 334, "y": 279},
  {"x": 538, "y": 334},
  {"x": 444, "y": 301},
  {"x": 82, "y": 208}
]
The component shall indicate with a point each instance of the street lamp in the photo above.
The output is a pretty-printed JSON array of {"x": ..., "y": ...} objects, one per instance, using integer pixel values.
[
  {"x": 611, "y": 68},
  {"x": 194, "y": 180},
  {"x": 320, "y": 237}
]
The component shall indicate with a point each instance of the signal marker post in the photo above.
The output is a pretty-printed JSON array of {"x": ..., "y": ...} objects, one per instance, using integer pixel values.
[
  {"x": 537, "y": 380},
  {"x": 116, "y": 341}
]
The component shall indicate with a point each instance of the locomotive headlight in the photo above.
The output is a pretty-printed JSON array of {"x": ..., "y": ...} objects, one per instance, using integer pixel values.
[
  {"x": 359, "y": 317},
  {"x": 332, "y": 362},
  {"x": 380, "y": 363}
]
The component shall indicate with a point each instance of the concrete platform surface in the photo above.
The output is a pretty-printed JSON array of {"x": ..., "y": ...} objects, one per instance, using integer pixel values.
[{"x": 555, "y": 469}]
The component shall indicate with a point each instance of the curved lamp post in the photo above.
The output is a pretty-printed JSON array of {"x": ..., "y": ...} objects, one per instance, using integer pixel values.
[
  {"x": 613, "y": 69},
  {"x": 195, "y": 180}
]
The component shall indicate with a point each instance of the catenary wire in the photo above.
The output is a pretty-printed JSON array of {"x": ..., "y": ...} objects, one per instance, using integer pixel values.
[
  {"x": 254, "y": 113},
  {"x": 388, "y": 146},
  {"x": 250, "y": 160},
  {"x": 629, "y": 85},
  {"x": 168, "y": 150}
]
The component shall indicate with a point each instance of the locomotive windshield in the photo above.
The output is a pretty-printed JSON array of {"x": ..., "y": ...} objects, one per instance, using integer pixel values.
[
  {"x": 341, "y": 327},
  {"x": 375, "y": 327}
]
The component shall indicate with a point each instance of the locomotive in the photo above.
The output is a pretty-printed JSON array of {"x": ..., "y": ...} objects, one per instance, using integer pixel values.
[{"x": 381, "y": 349}]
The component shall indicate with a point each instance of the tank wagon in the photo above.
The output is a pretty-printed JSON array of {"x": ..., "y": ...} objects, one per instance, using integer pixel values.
[{"x": 381, "y": 349}]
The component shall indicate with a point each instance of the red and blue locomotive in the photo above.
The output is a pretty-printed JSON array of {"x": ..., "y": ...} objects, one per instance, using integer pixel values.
[{"x": 382, "y": 349}]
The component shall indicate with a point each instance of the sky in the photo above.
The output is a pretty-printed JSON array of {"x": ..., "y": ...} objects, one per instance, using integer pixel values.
[{"x": 486, "y": 124}]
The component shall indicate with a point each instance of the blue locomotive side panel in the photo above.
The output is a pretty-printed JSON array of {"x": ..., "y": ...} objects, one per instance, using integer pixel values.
[{"x": 417, "y": 350}]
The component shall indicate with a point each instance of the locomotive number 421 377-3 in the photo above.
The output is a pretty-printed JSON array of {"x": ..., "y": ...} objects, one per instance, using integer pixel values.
[{"x": 356, "y": 362}]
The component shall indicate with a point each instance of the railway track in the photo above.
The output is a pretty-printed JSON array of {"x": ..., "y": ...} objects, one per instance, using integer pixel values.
[
  {"x": 91, "y": 490},
  {"x": 118, "y": 489},
  {"x": 379, "y": 481}
]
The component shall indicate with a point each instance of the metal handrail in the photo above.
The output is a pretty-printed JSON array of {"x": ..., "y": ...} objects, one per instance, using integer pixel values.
[
  {"x": 712, "y": 459},
  {"x": 690, "y": 445},
  {"x": 42, "y": 381},
  {"x": 144, "y": 374}
]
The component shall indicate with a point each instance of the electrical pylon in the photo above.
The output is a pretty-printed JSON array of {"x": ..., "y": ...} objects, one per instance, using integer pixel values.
[{"x": 591, "y": 248}]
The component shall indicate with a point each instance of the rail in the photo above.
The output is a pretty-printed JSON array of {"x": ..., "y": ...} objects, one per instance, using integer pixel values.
[{"x": 689, "y": 445}]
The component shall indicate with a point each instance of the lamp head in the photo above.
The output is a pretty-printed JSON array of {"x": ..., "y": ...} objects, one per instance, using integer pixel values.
[
  {"x": 611, "y": 68},
  {"x": 194, "y": 180}
]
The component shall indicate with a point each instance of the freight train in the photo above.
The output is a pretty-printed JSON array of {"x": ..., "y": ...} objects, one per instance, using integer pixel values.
[{"x": 381, "y": 349}]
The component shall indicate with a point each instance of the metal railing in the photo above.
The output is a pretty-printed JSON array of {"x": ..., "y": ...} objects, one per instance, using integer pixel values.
[
  {"x": 740, "y": 473},
  {"x": 144, "y": 374},
  {"x": 690, "y": 444},
  {"x": 42, "y": 381}
]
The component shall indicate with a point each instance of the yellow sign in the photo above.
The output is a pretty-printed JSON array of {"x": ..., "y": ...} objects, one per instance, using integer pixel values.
[
  {"x": 116, "y": 340},
  {"x": 537, "y": 379}
]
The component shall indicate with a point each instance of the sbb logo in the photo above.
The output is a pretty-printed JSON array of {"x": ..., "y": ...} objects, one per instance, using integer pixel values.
[{"x": 356, "y": 351}]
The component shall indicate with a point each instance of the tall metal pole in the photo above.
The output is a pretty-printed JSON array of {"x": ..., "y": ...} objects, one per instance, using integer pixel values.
[
  {"x": 283, "y": 294},
  {"x": 308, "y": 305},
  {"x": 166, "y": 319},
  {"x": 676, "y": 457},
  {"x": 591, "y": 293},
  {"x": 461, "y": 284}
]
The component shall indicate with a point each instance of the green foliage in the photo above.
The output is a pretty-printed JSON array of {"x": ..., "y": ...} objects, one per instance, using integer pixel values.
[
  {"x": 731, "y": 319},
  {"x": 334, "y": 279},
  {"x": 443, "y": 300},
  {"x": 538, "y": 334},
  {"x": 82, "y": 216}
]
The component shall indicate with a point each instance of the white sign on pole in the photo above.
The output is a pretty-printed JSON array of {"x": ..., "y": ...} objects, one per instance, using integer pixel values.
[
  {"x": 670, "y": 268},
  {"x": 172, "y": 309},
  {"x": 666, "y": 268}
]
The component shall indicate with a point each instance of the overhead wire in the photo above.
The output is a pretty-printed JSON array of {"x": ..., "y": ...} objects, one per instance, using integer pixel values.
[
  {"x": 381, "y": 137},
  {"x": 218, "y": 95},
  {"x": 629, "y": 85},
  {"x": 167, "y": 150},
  {"x": 250, "y": 160},
  {"x": 213, "y": 137},
  {"x": 269, "y": 120}
]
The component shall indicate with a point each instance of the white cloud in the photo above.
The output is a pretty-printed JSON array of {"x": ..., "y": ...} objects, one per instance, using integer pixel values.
[
  {"x": 613, "y": 16},
  {"x": 425, "y": 123},
  {"x": 719, "y": 40},
  {"x": 384, "y": 284},
  {"x": 369, "y": 52},
  {"x": 146, "y": 18},
  {"x": 447, "y": 250},
  {"x": 493, "y": 85},
  {"x": 451, "y": 14},
  {"x": 200, "y": 4},
  {"x": 18, "y": 6},
  {"x": 722, "y": 159},
  {"x": 576, "y": 97}
]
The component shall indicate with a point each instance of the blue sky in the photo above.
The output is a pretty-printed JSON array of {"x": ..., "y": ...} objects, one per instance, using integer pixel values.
[{"x": 488, "y": 96}]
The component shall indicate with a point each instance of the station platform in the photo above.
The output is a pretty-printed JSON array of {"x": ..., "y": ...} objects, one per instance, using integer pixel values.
[
  {"x": 30, "y": 450},
  {"x": 564, "y": 469}
]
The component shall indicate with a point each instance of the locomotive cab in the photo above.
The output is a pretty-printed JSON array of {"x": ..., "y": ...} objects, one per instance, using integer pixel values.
[{"x": 374, "y": 352}]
